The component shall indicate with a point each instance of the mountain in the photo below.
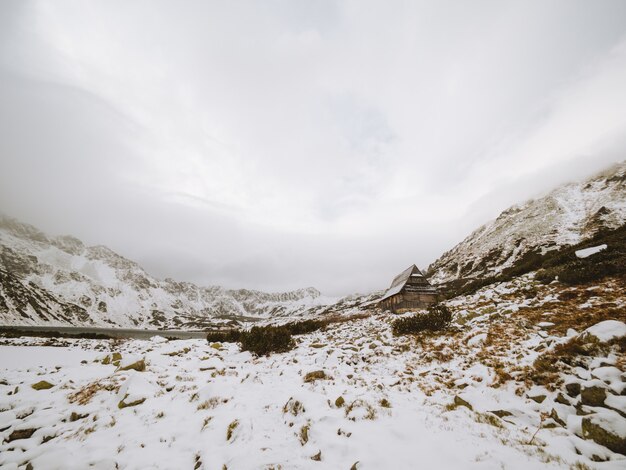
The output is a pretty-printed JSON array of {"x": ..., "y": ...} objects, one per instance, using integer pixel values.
[
  {"x": 569, "y": 215},
  {"x": 61, "y": 281}
]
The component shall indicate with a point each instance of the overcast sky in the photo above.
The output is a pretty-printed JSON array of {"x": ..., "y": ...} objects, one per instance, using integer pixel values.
[{"x": 285, "y": 144}]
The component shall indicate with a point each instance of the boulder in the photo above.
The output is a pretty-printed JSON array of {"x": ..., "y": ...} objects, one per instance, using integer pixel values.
[
  {"x": 315, "y": 375},
  {"x": 572, "y": 389},
  {"x": 132, "y": 363},
  {"x": 593, "y": 395},
  {"x": 604, "y": 332},
  {"x": 607, "y": 429},
  {"x": 42, "y": 385}
]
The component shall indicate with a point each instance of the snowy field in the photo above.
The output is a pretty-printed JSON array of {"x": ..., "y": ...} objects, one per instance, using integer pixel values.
[{"x": 379, "y": 404}]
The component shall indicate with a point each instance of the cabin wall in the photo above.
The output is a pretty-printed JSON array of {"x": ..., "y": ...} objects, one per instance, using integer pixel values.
[{"x": 409, "y": 300}]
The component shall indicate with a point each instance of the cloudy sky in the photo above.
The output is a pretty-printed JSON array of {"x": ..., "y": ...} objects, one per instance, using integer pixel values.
[{"x": 282, "y": 144}]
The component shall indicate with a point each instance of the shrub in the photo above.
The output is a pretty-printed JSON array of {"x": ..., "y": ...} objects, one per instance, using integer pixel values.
[
  {"x": 263, "y": 340},
  {"x": 305, "y": 326},
  {"x": 228, "y": 336},
  {"x": 437, "y": 318}
]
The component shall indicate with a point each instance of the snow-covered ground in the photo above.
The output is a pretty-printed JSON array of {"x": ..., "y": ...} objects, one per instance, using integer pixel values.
[{"x": 382, "y": 401}]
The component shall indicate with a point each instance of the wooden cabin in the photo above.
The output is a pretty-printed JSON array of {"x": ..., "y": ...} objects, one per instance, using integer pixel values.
[{"x": 409, "y": 290}]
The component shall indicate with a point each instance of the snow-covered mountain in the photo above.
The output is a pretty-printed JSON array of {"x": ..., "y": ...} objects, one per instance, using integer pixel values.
[
  {"x": 568, "y": 215},
  {"x": 45, "y": 280}
]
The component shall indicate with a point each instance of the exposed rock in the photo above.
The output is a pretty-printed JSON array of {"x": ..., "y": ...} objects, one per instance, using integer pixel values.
[
  {"x": 573, "y": 389},
  {"x": 560, "y": 398},
  {"x": 607, "y": 429},
  {"x": 593, "y": 395},
  {"x": 131, "y": 364},
  {"x": 315, "y": 375},
  {"x": 538, "y": 398},
  {"x": 21, "y": 434},
  {"x": 501, "y": 413},
  {"x": 604, "y": 332},
  {"x": 123, "y": 404},
  {"x": 458, "y": 401},
  {"x": 42, "y": 385},
  {"x": 557, "y": 419}
]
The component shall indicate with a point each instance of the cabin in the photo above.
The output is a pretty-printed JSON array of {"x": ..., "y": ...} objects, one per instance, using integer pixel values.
[{"x": 409, "y": 290}]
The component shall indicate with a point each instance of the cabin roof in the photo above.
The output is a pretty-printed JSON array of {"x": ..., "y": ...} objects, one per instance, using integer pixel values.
[{"x": 401, "y": 279}]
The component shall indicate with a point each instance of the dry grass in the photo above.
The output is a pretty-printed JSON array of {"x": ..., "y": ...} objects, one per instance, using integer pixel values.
[{"x": 86, "y": 393}]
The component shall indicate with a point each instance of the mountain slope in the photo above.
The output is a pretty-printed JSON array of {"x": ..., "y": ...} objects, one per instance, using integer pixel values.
[
  {"x": 62, "y": 281},
  {"x": 568, "y": 215}
]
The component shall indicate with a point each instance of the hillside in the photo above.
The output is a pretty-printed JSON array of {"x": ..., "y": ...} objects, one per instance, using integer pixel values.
[
  {"x": 60, "y": 281},
  {"x": 566, "y": 216}
]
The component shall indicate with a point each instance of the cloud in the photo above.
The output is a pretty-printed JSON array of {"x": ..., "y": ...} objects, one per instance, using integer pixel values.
[{"x": 275, "y": 145}]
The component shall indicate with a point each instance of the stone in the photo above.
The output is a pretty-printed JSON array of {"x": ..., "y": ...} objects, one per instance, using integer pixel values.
[
  {"x": 560, "y": 398},
  {"x": 572, "y": 389},
  {"x": 557, "y": 419},
  {"x": 315, "y": 375},
  {"x": 593, "y": 396},
  {"x": 538, "y": 398},
  {"x": 139, "y": 366},
  {"x": 606, "y": 430},
  {"x": 42, "y": 385},
  {"x": 21, "y": 434},
  {"x": 458, "y": 401}
]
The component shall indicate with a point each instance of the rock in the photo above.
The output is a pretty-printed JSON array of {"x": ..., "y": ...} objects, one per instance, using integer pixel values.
[
  {"x": 560, "y": 398},
  {"x": 607, "y": 429},
  {"x": 317, "y": 457},
  {"x": 21, "y": 434},
  {"x": 501, "y": 413},
  {"x": 458, "y": 401},
  {"x": 123, "y": 404},
  {"x": 315, "y": 375},
  {"x": 339, "y": 402},
  {"x": 42, "y": 385},
  {"x": 113, "y": 358},
  {"x": 76, "y": 416},
  {"x": 557, "y": 419},
  {"x": 132, "y": 364},
  {"x": 593, "y": 395},
  {"x": 538, "y": 398},
  {"x": 572, "y": 389},
  {"x": 604, "y": 332}
]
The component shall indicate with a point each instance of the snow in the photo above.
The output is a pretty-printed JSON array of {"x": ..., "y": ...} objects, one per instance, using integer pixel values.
[
  {"x": 189, "y": 402},
  {"x": 590, "y": 251},
  {"x": 611, "y": 421},
  {"x": 562, "y": 217},
  {"x": 606, "y": 331}
]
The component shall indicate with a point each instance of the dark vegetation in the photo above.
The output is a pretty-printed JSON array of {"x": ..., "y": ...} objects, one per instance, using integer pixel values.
[
  {"x": 437, "y": 318},
  {"x": 264, "y": 340},
  {"x": 562, "y": 263}
]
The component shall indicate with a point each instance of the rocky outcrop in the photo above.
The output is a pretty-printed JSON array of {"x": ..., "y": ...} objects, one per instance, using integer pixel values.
[
  {"x": 45, "y": 280},
  {"x": 566, "y": 216}
]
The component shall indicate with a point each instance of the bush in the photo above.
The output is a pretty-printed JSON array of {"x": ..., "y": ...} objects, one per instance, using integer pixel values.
[
  {"x": 228, "y": 336},
  {"x": 263, "y": 340},
  {"x": 437, "y": 318},
  {"x": 305, "y": 326}
]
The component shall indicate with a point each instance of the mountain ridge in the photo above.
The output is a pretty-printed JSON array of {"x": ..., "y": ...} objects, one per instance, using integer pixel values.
[
  {"x": 63, "y": 281},
  {"x": 567, "y": 215}
]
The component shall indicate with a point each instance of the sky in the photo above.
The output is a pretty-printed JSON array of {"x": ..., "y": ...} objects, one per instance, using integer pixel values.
[{"x": 283, "y": 144}]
